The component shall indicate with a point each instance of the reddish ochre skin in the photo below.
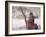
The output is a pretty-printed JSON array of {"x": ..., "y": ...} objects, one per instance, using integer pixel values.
[{"x": 30, "y": 23}]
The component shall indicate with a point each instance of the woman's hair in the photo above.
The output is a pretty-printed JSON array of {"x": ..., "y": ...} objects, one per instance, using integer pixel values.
[{"x": 31, "y": 13}]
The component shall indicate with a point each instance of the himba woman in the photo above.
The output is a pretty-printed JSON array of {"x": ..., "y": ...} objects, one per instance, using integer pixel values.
[{"x": 30, "y": 22}]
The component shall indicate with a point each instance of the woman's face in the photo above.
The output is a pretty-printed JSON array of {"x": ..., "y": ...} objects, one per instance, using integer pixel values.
[{"x": 30, "y": 17}]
